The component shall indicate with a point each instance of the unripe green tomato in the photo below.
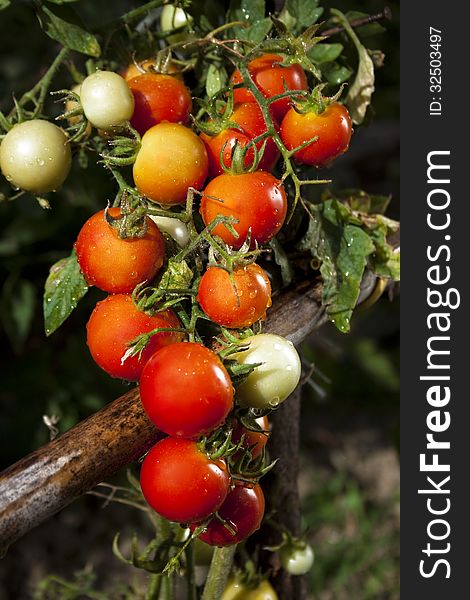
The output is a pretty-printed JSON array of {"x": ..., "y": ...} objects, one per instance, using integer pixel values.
[
  {"x": 297, "y": 561},
  {"x": 35, "y": 156},
  {"x": 173, "y": 17},
  {"x": 174, "y": 228},
  {"x": 106, "y": 99},
  {"x": 276, "y": 378}
]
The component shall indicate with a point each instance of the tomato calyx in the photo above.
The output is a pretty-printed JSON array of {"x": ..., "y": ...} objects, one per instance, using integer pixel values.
[
  {"x": 131, "y": 222},
  {"x": 79, "y": 127},
  {"x": 316, "y": 102}
]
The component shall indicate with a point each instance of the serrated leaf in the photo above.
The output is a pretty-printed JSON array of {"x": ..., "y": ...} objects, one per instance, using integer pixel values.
[
  {"x": 322, "y": 53},
  {"x": 335, "y": 74},
  {"x": 65, "y": 286},
  {"x": 342, "y": 246},
  {"x": 215, "y": 80},
  {"x": 305, "y": 13},
  {"x": 361, "y": 90},
  {"x": 67, "y": 32}
]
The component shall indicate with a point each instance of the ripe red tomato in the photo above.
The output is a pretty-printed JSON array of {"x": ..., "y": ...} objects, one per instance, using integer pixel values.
[
  {"x": 333, "y": 127},
  {"x": 186, "y": 390},
  {"x": 271, "y": 79},
  {"x": 257, "y": 200},
  {"x": 113, "y": 264},
  {"x": 255, "y": 440},
  {"x": 171, "y": 159},
  {"x": 236, "y": 301},
  {"x": 181, "y": 483},
  {"x": 158, "y": 98},
  {"x": 243, "y": 509},
  {"x": 114, "y": 323},
  {"x": 250, "y": 118}
]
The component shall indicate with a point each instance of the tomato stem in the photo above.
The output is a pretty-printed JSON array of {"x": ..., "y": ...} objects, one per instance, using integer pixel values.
[{"x": 219, "y": 571}]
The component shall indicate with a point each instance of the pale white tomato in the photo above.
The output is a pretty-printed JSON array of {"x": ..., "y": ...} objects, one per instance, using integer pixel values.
[
  {"x": 276, "y": 378},
  {"x": 297, "y": 561},
  {"x": 173, "y": 227},
  {"x": 106, "y": 99},
  {"x": 35, "y": 156}
]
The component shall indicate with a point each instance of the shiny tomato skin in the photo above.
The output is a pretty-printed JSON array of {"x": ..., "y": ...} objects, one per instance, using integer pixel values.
[
  {"x": 269, "y": 77},
  {"x": 181, "y": 483},
  {"x": 239, "y": 307},
  {"x": 257, "y": 200},
  {"x": 250, "y": 118},
  {"x": 158, "y": 98},
  {"x": 171, "y": 159},
  {"x": 255, "y": 440},
  {"x": 116, "y": 321},
  {"x": 115, "y": 265},
  {"x": 333, "y": 127},
  {"x": 243, "y": 509},
  {"x": 186, "y": 390}
]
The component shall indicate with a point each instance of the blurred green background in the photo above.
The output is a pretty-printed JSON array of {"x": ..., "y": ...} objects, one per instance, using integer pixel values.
[{"x": 349, "y": 480}]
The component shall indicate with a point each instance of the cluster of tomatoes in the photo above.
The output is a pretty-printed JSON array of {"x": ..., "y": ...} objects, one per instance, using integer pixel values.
[{"x": 185, "y": 387}]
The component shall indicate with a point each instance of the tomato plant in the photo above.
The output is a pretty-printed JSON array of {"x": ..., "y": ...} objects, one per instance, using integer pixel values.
[
  {"x": 158, "y": 98},
  {"x": 35, "y": 156},
  {"x": 236, "y": 299},
  {"x": 113, "y": 264},
  {"x": 171, "y": 159},
  {"x": 106, "y": 99},
  {"x": 257, "y": 200},
  {"x": 242, "y": 510},
  {"x": 181, "y": 483},
  {"x": 277, "y": 376},
  {"x": 271, "y": 77},
  {"x": 249, "y": 118},
  {"x": 116, "y": 321},
  {"x": 185, "y": 390},
  {"x": 332, "y": 127},
  {"x": 193, "y": 206}
]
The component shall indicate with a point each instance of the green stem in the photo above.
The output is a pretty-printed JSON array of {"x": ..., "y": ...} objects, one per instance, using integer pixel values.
[
  {"x": 41, "y": 86},
  {"x": 138, "y": 12},
  {"x": 191, "y": 592},
  {"x": 154, "y": 586},
  {"x": 219, "y": 571}
]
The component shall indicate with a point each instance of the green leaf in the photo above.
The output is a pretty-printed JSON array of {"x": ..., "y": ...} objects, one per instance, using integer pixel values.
[
  {"x": 305, "y": 13},
  {"x": 65, "y": 286},
  {"x": 336, "y": 238},
  {"x": 360, "y": 93},
  {"x": 335, "y": 74},
  {"x": 384, "y": 261},
  {"x": 280, "y": 258},
  {"x": 4, "y": 4},
  {"x": 322, "y": 53},
  {"x": 215, "y": 80},
  {"x": 358, "y": 200},
  {"x": 252, "y": 12},
  {"x": 67, "y": 31},
  {"x": 18, "y": 304}
]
